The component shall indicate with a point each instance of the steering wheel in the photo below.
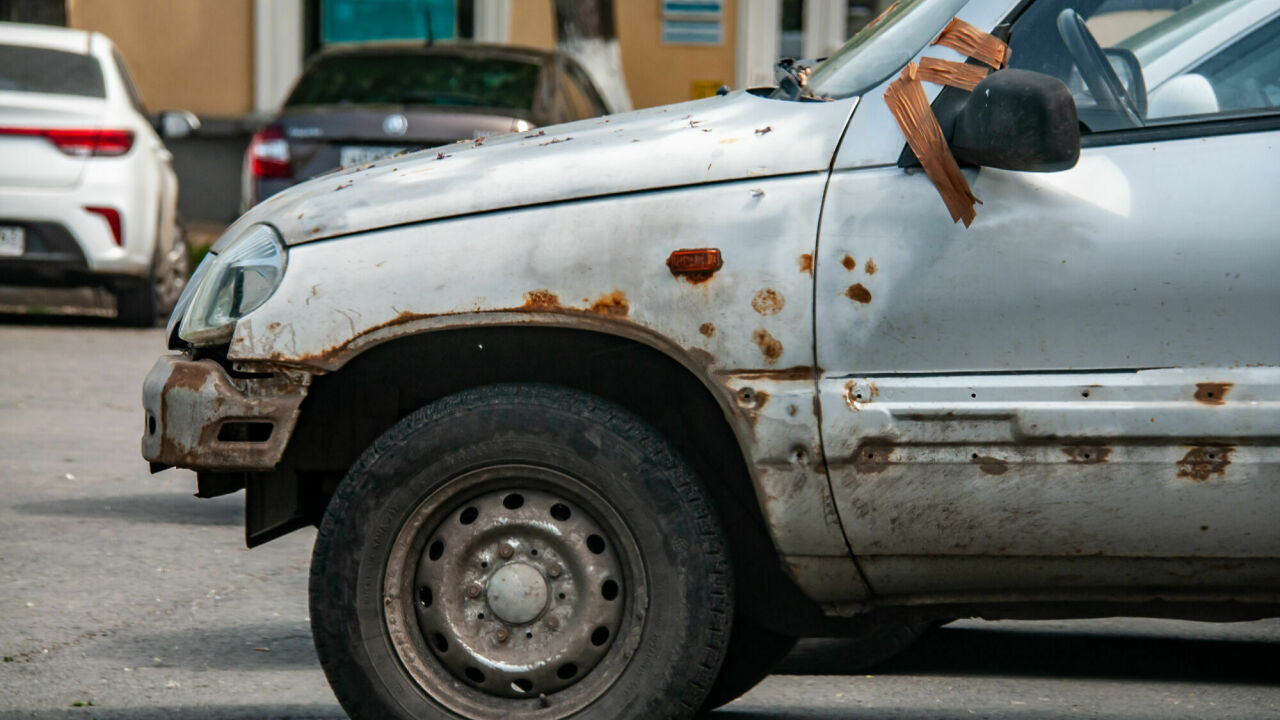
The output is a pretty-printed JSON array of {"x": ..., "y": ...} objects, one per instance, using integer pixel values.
[{"x": 1104, "y": 84}]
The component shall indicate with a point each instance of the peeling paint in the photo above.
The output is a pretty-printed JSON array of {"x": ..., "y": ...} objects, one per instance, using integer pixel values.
[
  {"x": 858, "y": 293},
  {"x": 1205, "y": 461},
  {"x": 870, "y": 266},
  {"x": 1212, "y": 393},
  {"x": 541, "y": 300},
  {"x": 806, "y": 264},
  {"x": 849, "y": 263},
  {"x": 614, "y": 303},
  {"x": 768, "y": 302},
  {"x": 769, "y": 346},
  {"x": 990, "y": 465},
  {"x": 1086, "y": 454}
]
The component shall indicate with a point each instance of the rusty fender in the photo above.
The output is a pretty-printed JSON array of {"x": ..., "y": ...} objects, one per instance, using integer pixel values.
[{"x": 197, "y": 415}]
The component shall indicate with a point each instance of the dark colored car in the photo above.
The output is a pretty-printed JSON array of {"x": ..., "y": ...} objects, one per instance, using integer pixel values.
[{"x": 356, "y": 104}]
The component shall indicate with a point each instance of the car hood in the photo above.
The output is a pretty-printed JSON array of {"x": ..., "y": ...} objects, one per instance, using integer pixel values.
[{"x": 733, "y": 137}]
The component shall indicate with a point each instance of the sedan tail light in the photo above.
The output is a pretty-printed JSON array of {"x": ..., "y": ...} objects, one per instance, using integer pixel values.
[
  {"x": 80, "y": 142},
  {"x": 269, "y": 154}
]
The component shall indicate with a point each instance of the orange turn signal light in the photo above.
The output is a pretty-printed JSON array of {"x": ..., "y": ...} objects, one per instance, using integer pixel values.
[{"x": 701, "y": 260}]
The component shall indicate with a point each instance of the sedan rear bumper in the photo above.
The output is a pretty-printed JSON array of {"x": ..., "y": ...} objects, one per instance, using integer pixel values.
[{"x": 198, "y": 416}]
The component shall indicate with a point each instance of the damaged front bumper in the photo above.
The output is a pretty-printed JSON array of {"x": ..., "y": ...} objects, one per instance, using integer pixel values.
[{"x": 199, "y": 416}]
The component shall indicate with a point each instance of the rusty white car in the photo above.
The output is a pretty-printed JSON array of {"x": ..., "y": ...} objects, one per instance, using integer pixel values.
[{"x": 595, "y": 420}]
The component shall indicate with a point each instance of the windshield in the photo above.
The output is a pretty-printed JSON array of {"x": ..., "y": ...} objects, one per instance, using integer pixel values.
[
  {"x": 41, "y": 70},
  {"x": 418, "y": 79},
  {"x": 882, "y": 48}
]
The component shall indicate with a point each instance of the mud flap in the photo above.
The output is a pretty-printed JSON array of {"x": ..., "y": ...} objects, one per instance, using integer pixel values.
[{"x": 274, "y": 506}]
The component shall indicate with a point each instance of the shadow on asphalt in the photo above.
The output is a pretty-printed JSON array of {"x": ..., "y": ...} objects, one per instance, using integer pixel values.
[
  {"x": 164, "y": 508},
  {"x": 978, "y": 652}
]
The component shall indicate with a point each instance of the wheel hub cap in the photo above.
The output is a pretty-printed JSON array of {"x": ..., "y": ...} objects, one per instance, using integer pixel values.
[{"x": 517, "y": 593}]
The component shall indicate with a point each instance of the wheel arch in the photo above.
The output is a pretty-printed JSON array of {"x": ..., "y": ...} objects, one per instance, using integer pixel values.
[{"x": 382, "y": 382}]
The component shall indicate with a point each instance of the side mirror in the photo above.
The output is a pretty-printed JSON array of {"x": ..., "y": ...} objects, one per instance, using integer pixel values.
[
  {"x": 1019, "y": 120},
  {"x": 177, "y": 124}
]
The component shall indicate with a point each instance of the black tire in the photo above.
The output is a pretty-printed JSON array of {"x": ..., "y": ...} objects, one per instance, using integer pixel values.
[
  {"x": 141, "y": 305},
  {"x": 376, "y": 585},
  {"x": 753, "y": 653}
]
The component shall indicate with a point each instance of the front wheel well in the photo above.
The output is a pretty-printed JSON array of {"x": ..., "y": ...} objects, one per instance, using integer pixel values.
[{"x": 347, "y": 410}]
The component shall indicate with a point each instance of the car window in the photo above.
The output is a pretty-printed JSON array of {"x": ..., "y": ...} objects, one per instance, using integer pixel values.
[
  {"x": 587, "y": 88},
  {"x": 130, "y": 88},
  {"x": 418, "y": 79},
  {"x": 572, "y": 98},
  {"x": 1203, "y": 60},
  {"x": 41, "y": 70}
]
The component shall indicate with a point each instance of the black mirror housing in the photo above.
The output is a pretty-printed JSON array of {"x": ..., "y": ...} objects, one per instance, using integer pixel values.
[{"x": 1018, "y": 120}]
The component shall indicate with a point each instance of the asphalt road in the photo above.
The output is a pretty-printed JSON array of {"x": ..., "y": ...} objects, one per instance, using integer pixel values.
[{"x": 122, "y": 596}]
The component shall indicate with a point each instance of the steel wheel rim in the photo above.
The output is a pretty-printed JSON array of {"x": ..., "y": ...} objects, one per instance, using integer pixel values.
[{"x": 573, "y": 623}]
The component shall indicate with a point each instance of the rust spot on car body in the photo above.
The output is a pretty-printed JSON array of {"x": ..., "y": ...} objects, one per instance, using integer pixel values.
[
  {"x": 1205, "y": 461},
  {"x": 1086, "y": 454},
  {"x": 769, "y": 346},
  {"x": 849, "y": 263},
  {"x": 806, "y": 264},
  {"x": 870, "y": 266},
  {"x": 707, "y": 329},
  {"x": 858, "y": 293},
  {"x": 768, "y": 302},
  {"x": 1210, "y": 393},
  {"x": 990, "y": 465},
  {"x": 695, "y": 278},
  {"x": 799, "y": 372},
  {"x": 855, "y": 395},
  {"x": 873, "y": 459},
  {"x": 614, "y": 304},
  {"x": 541, "y": 300}
]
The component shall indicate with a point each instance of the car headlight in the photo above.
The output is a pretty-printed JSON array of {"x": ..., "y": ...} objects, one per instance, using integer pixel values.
[{"x": 239, "y": 279}]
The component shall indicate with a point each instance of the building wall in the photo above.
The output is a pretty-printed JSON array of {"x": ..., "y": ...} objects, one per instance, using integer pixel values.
[
  {"x": 533, "y": 23},
  {"x": 658, "y": 73},
  {"x": 191, "y": 54}
]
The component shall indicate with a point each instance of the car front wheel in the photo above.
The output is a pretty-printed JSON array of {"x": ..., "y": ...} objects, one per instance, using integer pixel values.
[{"x": 520, "y": 551}]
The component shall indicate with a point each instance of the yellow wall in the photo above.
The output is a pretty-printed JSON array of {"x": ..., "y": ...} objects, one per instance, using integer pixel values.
[
  {"x": 191, "y": 54},
  {"x": 658, "y": 74},
  {"x": 533, "y": 23}
]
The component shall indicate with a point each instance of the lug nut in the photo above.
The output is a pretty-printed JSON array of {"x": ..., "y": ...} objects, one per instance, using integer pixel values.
[
  {"x": 553, "y": 623},
  {"x": 502, "y": 635},
  {"x": 505, "y": 551},
  {"x": 555, "y": 570},
  {"x": 473, "y": 591}
]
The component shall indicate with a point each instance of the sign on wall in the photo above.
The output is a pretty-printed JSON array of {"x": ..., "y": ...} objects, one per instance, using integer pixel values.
[
  {"x": 693, "y": 22},
  {"x": 372, "y": 20}
]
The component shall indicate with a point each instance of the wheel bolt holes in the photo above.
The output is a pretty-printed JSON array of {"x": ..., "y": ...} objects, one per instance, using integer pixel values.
[
  {"x": 529, "y": 635},
  {"x": 567, "y": 671},
  {"x": 484, "y": 563},
  {"x": 442, "y": 645},
  {"x": 609, "y": 590},
  {"x": 468, "y": 516},
  {"x": 522, "y": 685},
  {"x": 474, "y": 675},
  {"x": 436, "y": 550},
  {"x": 533, "y": 553},
  {"x": 600, "y": 636},
  {"x": 560, "y": 512},
  {"x": 479, "y": 616},
  {"x": 513, "y": 501},
  {"x": 561, "y": 596},
  {"x": 595, "y": 544},
  {"x": 424, "y": 596}
]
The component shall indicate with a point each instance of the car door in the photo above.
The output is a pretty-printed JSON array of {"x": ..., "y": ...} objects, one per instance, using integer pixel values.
[{"x": 1077, "y": 396}]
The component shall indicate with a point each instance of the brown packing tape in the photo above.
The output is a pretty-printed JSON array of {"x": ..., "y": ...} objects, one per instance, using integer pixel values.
[
  {"x": 969, "y": 40},
  {"x": 906, "y": 101},
  {"x": 947, "y": 72}
]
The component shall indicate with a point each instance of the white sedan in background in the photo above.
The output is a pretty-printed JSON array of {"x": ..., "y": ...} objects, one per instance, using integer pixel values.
[{"x": 88, "y": 195}]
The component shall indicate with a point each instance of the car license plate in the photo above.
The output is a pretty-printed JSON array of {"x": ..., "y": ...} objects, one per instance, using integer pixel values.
[
  {"x": 13, "y": 241},
  {"x": 361, "y": 154}
]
